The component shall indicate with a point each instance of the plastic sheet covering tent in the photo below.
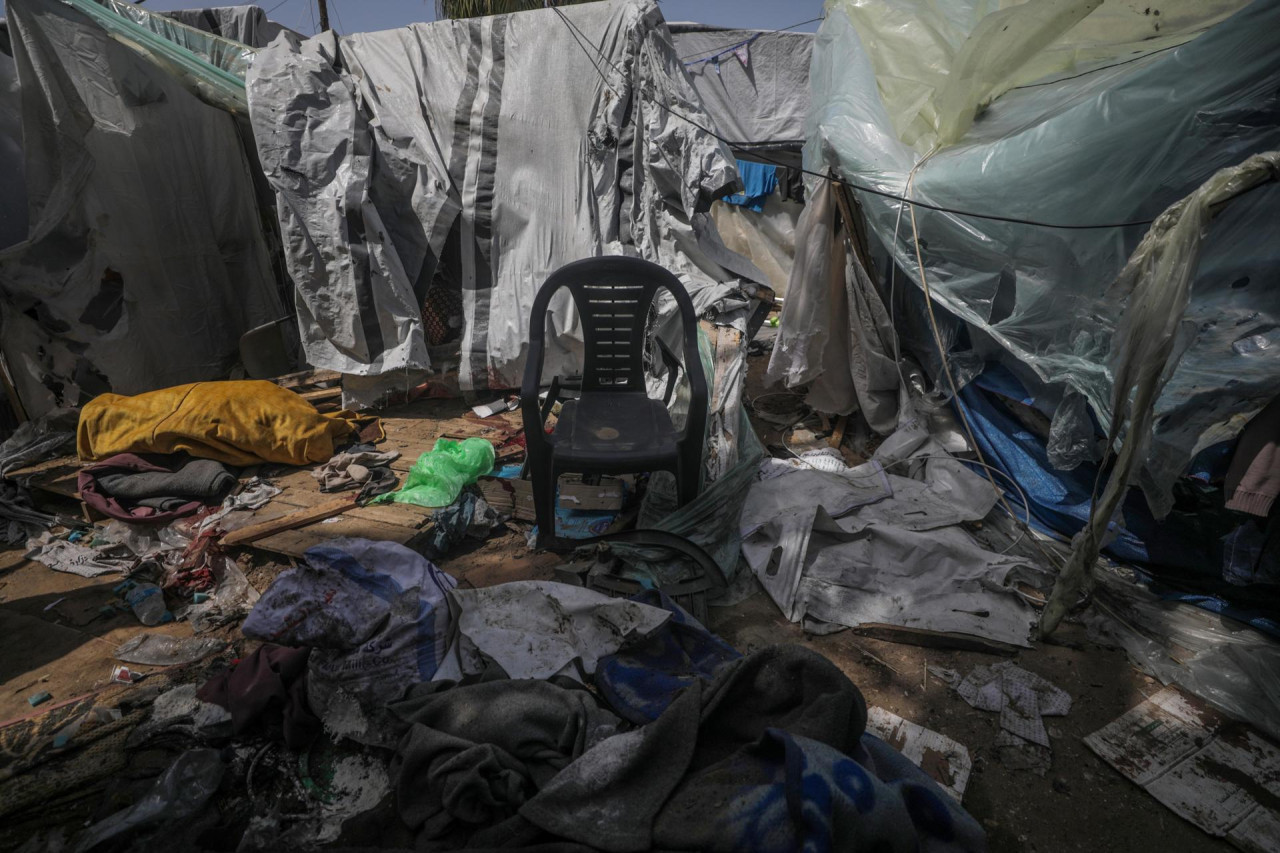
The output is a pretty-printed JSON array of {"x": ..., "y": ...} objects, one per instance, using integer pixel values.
[
  {"x": 13, "y": 180},
  {"x": 248, "y": 25},
  {"x": 755, "y": 87},
  {"x": 758, "y": 93},
  {"x": 1076, "y": 114},
  {"x": 534, "y": 139},
  {"x": 144, "y": 259}
]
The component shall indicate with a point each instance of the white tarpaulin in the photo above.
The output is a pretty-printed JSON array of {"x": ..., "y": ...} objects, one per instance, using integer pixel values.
[
  {"x": 144, "y": 260},
  {"x": 1078, "y": 114},
  {"x": 484, "y": 153}
]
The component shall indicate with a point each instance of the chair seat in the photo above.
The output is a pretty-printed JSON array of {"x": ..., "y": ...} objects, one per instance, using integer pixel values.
[{"x": 611, "y": 429}]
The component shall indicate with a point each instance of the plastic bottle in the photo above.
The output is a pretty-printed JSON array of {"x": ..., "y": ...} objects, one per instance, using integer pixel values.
[{"x": 147, "y": 602}]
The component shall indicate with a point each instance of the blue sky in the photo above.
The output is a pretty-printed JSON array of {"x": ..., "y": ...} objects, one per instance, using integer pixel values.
[{"x": 365, "y": 15}]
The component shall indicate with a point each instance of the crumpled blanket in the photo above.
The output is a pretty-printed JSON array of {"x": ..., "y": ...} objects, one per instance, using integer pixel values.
[
  {"x": 153, "y": 488},
  {"x": 267, "y": 689},
  {"x": 353, "y": 468},
  {"x": 240, "y": 423},
  {"x": 474, "y": 754},
  {"x": 470, "y": 515},
  {"x": 770, "y": 756}
]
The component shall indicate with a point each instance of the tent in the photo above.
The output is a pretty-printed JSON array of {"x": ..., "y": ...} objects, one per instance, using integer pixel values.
[{"x": 145, "y": 257}]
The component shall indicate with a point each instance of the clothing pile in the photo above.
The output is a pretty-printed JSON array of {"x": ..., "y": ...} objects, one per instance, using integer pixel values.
[{"x": 538, "y": 714}]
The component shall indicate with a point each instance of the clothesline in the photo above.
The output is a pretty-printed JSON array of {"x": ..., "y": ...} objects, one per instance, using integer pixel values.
[{"x": 733, "y": 48}]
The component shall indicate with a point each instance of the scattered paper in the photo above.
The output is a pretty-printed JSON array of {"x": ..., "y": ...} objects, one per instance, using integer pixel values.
[
  {"x": 944, "y": 760},
  {"x": 1022, "y": 699},
  {"x": 1221, "y": 775}
]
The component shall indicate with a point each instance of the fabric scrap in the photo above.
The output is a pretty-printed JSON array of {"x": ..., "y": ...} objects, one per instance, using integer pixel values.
[
  {"x": 77, "y": 559},
  {"x": 640, "y": 681},
  {"x": 1253, "y": 479},
  {"x": 35, "y": 441},
  {"x": 468, "y": 517},
  {"x": 376, "y": 616},
  {"x": 19, "y": 519},
  {"x": 473, "y": 754},
  {"x": 352, "y": 469},
  {"x": 267, "y": 690}
]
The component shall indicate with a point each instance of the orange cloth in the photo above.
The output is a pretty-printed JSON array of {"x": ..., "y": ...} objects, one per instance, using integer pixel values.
[{"x": 239, "y": 423}]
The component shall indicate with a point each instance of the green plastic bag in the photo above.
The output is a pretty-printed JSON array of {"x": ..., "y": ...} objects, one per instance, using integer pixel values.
[{"x": 438, "y": 476}]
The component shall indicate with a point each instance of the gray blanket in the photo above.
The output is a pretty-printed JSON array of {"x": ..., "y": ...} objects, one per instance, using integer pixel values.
[{"x": 199, "y": 479}]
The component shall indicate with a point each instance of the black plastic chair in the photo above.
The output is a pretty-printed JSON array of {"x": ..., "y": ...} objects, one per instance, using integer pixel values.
[{"x": 613, "y": 427}]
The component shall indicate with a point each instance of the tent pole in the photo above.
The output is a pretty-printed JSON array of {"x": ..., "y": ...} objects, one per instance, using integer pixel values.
[{"x": 324, "y": 14}]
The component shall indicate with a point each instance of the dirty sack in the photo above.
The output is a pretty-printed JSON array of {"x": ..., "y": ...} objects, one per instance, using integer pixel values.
[
  {"x": 375, "y": 616},
  {"x": 130, "y": 487},
  {"x": 537, "y": 629},
  {"x": 440, "y": 474},
  {"x": 726, "y": 766},
  {"x": 473, "y": 754},
  {"x": 240, "y": 423},
  {"x": 267, "y": 691}
]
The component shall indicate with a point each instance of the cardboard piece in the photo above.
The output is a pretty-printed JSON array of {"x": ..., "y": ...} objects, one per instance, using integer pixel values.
[
  {"x": 1221, "y": 775},
  {"x": 944, "y": 760}
]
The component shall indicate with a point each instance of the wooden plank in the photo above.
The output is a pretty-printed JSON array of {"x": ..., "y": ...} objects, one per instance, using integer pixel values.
[
  {"x": 320, "y": 394},
  {"x": 403, "y": 515},
  {"x": 294, "y": 543},
  {"x": 837, "y": 437},
  {"x": 307, "y": 377},
  {"x": 301, "y": 518}
]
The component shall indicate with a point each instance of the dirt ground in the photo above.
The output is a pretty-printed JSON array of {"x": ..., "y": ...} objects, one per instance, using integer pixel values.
[{"x": 56, "y": 639}]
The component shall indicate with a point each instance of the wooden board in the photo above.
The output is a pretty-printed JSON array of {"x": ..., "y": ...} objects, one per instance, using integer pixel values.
[
  {"x": 299, "y": 518},
  {"x": 944, "y": 760}
]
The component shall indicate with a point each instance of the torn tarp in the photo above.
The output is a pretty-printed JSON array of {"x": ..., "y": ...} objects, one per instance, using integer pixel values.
[
  {"x": 431, "y": 156},
  {"x": 865, "y": 547},
  {"x": 125, "y": 281}
]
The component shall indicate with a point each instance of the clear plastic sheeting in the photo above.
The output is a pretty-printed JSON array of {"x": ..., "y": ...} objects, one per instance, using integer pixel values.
[
  {"x": 766, "y": 238},
  {"x": 1224, "y": 662},
  {"x": 145, "y": 259},
  {"x": 248, "y": 25},
  {"x": 431, "y": 155},
  {"x": 212, "y": 67},
  {"x": 1084, "y": 132}
]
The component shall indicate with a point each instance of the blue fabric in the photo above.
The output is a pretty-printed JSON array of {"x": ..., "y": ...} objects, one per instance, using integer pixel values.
[
  {"x": 640, "y": 681},
  {"x": 790, "y": 793},
  {"x": 759, "y": 182},
  {"x": 1185, "y": 550}
]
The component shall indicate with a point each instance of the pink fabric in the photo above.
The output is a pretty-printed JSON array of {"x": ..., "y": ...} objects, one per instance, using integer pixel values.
[{"x": 1253, "y": 480}]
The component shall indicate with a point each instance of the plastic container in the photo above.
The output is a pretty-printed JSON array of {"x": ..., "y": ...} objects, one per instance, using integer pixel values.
[{"x": 147, "y": 601}]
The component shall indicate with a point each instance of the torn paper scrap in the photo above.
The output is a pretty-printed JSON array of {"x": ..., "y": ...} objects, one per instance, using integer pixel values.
[
  {"x": 1218, "y": 774},
  {"x": 944, "y": 760}
]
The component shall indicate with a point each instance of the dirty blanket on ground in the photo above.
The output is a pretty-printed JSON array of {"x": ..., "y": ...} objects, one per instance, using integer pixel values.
[{"x": 239, "y": 423}]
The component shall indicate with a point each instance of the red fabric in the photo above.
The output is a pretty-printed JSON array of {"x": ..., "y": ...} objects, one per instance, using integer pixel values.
[
  {"x": 268, "y": 687},
  {"x": 107, "y": 505}
]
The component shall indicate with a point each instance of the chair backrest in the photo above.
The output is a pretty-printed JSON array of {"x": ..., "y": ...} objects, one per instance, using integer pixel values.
[{"x": 613, "y": 296}]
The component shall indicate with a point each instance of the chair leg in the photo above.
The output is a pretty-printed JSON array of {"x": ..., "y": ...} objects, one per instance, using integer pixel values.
[
  {"x": 543, "y": 480},
  {"x": 687, "y": 476}
]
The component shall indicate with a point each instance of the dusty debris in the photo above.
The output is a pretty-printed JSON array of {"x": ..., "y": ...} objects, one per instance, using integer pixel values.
[
  {"x": 1223, "y": 776},
  {"x": 946, "y": 761}
]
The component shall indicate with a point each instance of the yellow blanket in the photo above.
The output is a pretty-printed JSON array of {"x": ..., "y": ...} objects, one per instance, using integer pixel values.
[{"x": 239, "y": 423}]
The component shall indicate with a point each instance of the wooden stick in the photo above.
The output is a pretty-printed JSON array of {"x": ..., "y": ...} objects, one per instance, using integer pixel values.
[
  {"x": 301, "y": 518},
  {"x": 837, "y": 437}
]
